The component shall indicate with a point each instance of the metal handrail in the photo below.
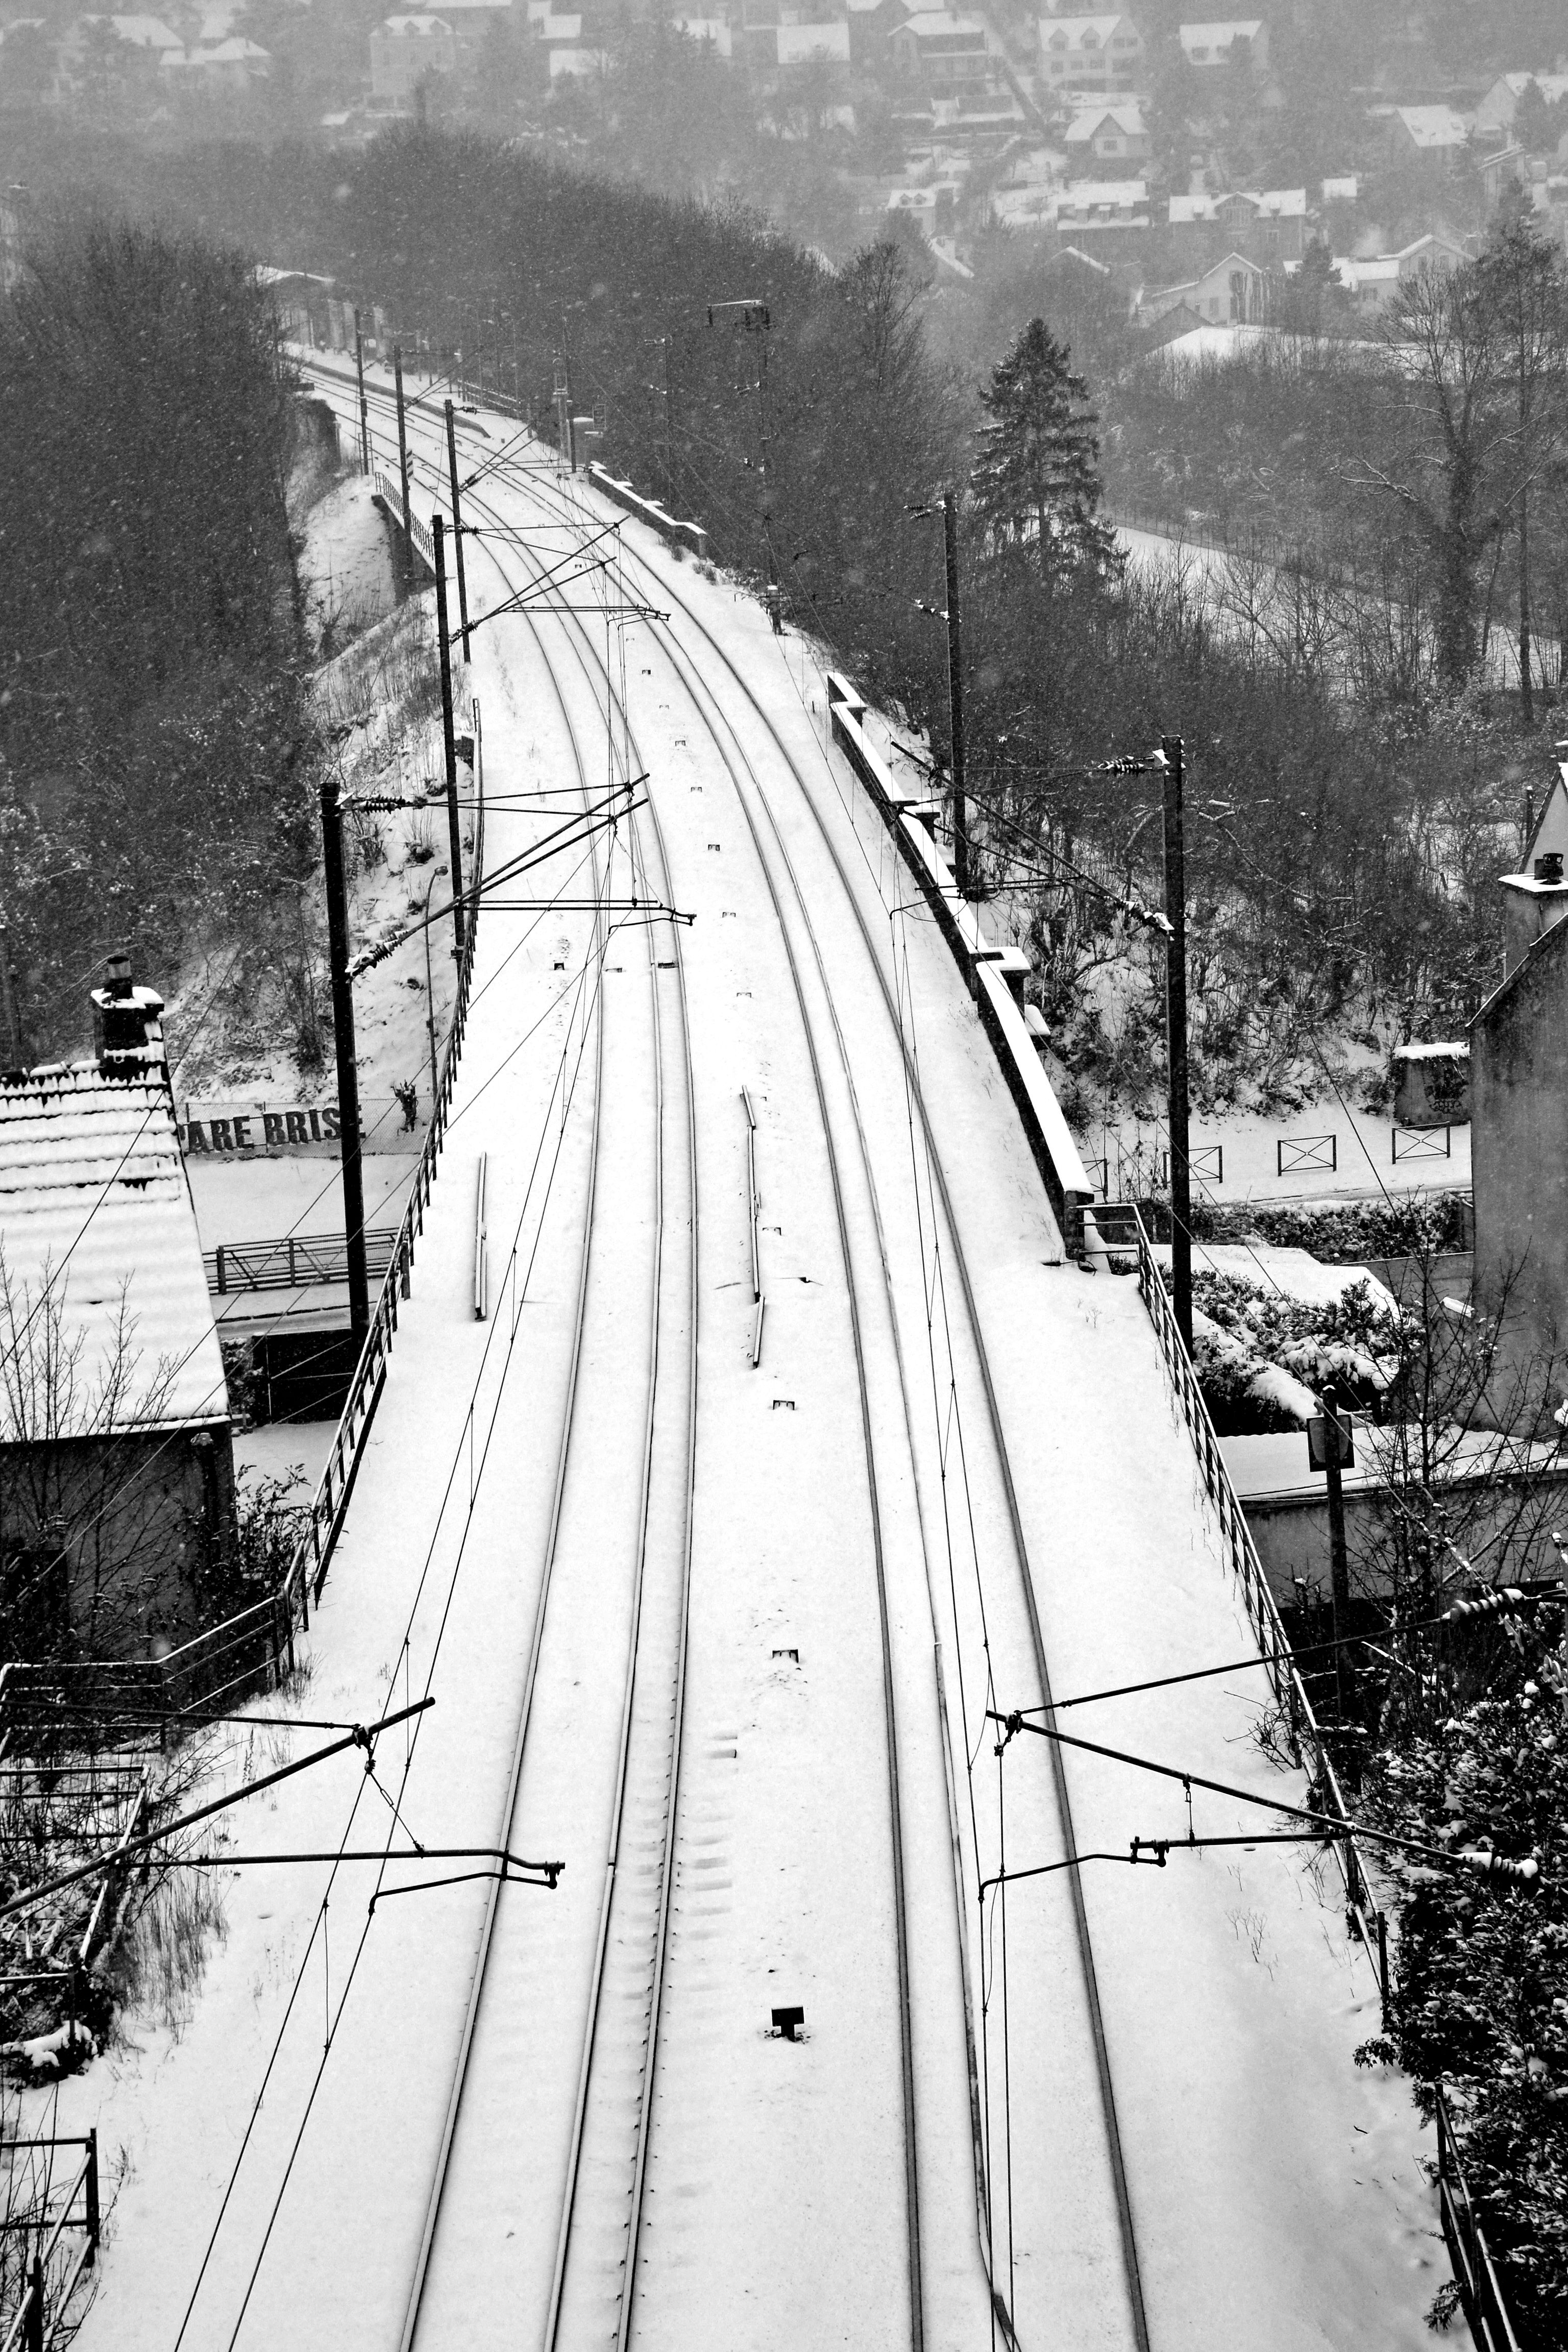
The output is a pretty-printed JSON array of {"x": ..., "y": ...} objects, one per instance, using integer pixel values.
[
  {"x": 1473, "y": 2266},
  {"x": 1241, "y": 1553},
  {"x": 293, "y": 1261},
  {"x": 307, "y": 1570},
  {"x": 1481, "y": 2290}
]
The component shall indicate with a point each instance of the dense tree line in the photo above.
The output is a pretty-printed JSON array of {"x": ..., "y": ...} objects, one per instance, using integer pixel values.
[
  {"x": 1349, "y": 812},
  {"x": 151, "y": 719}
]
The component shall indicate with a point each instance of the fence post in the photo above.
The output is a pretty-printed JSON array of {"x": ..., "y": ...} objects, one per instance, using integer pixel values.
[
  {"x": 33, "y": 2337},
  {"x": 92, "y": 2207}
]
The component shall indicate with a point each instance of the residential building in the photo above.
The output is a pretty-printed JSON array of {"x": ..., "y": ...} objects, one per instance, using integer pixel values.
[
  {"x": 1112, "y": 134},
  {"x": 942, "y": 51},
  {"x": 1433, "y": 131},
  {"x": 1519, "y": 1148},
  {"x": 1496, "y": 110},
  {"x": 116, "y": 1457},
  {"x": 1090, "y": 213},
  {"x": 231, "y": 64},
  {"x": 469, "y": 22},
  {"x": 1097, "y": 53},
  {"x": 404, "y": 50},
  {"x": 1268, "y": 226},
  {"x": 1234, "y": 292},
  {"x": 1240, "y": 41},
  {"x": 128, "y": 47},
  {"x": 1505, "y": 167},
  {"x": 814, "y": 44},
  {"x": 1373, "y": 281}
]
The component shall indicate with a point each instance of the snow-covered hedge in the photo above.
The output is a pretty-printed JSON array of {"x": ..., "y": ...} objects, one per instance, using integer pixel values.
[
  {"x": 1262, "y": 1356},
  {"x": 1481, "y": 1994}
]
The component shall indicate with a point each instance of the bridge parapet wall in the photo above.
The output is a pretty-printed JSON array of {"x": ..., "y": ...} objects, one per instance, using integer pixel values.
[{"x": 995, "y": 974}]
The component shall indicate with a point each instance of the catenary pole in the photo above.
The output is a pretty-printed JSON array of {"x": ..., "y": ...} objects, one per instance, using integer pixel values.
[
  {"x": 1176, "y": 1042},
  {"x": 962, "y": 876},
  {"x": 448, "y": 736},
  {"x": 402, "y": 467},
  {"x": 348, "y": 1066},
  {"x": 458, "y": 527},
  {"x": 364, "y": 403}
]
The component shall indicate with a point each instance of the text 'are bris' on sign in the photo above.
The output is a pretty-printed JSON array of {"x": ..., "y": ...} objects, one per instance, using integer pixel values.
[{"x": 258, "y": 1129}]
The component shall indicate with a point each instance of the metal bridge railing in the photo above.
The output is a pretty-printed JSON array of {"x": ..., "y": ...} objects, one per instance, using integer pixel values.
[
  {"x": 1121, "y": 1228},
  {"x": 294, "y": 1261}
]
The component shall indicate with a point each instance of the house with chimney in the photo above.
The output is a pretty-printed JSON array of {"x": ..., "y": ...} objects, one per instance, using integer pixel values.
[
  {"x": 117, "y": 1503},
  {"x": 1519, "y": 1138},
  {"x": 1268, "y": 226}
]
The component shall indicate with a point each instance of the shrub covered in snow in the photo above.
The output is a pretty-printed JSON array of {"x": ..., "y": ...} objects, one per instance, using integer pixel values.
[
  {"x": 1481, "y": 1994},
  {"x": 1262, "y": 1356}
]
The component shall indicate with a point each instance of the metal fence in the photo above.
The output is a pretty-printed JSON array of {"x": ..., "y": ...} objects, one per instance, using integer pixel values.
[
  {"x": 1479, "y": 2288},
  {"x": 50, "y": 2277},
  {"x": 294, "y": 1261},
  {"x": 1123, "y": 1228}
]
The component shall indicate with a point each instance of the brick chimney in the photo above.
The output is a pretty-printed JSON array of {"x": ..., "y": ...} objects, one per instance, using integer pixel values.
[{"x": 127, "y": 1027}]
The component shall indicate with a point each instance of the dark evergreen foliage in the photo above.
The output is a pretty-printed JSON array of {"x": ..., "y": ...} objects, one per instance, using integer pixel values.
[
  {"x": 1037, "y": 487},
  {"x": 151, "y": 723}
]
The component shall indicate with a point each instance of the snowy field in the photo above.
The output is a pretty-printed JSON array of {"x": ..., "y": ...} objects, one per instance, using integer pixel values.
[{"x": 955, "y": 1467}]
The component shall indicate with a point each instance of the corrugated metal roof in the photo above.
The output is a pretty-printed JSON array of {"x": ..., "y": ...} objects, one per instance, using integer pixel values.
[{"x": 95, "y": 1211}]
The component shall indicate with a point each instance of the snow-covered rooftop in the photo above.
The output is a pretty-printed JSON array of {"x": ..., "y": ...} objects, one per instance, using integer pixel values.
[
  {"x": 95, "y": 1208},
  {"x": 1267, "y": 203},
  {"x": 1085, "y": 127},
  {"x": 1433, "y": 126}
]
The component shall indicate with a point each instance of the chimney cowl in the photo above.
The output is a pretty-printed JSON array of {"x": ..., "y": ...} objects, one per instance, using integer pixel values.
[{"x": 1548, "y": 866}]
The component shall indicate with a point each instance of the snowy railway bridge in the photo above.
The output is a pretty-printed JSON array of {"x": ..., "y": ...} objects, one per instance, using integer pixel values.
[{"x": 794, "y": 1447}]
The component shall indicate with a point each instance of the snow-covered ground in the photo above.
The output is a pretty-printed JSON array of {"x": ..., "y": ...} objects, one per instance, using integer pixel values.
[
  {"x": 1329, "y": 1149},
  {"x": 951, "y": 1427}
]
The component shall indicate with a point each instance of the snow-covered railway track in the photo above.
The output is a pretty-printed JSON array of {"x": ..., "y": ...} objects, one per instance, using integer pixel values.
[
  {"x": 545, "y": 2139},
  {"x": 1056, "y": 2253},
  {"x": 1012, "y": 2238}
]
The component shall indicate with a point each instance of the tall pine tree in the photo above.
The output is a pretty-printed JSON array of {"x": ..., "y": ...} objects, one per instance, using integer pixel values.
[{"x": 1037, "y": 487}]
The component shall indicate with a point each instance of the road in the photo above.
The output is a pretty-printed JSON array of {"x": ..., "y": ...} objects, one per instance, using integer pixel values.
[{"x": 719, "y": 1627}]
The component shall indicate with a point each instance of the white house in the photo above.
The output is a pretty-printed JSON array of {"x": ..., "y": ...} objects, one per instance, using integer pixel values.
[
  {"x": 1110, "y": 134},
  {"x": 1435, "y": 131},
  {"x": 1090, "y": 52},
  {"x": 944, "y": 51},
  {"x": 1094, "y": 210},
  {"x": 1233, "y": 292},
  {"x": 404, "y": 49},
  {"x": 1241, "y": 40},
  {"x": 1373, "y": 280}
]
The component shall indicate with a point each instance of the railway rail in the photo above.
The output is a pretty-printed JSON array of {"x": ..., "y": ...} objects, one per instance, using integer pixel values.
[
  {"x": 1004, "y": 2179},
  {"x": 609, "y": 2097}
]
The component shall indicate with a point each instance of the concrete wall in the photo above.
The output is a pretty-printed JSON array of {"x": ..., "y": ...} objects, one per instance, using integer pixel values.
[
  {"x": 1519, "y": 1157},
  {"x": 1291, "y": 1532},
  {"x": 145, "y": 1527}
]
